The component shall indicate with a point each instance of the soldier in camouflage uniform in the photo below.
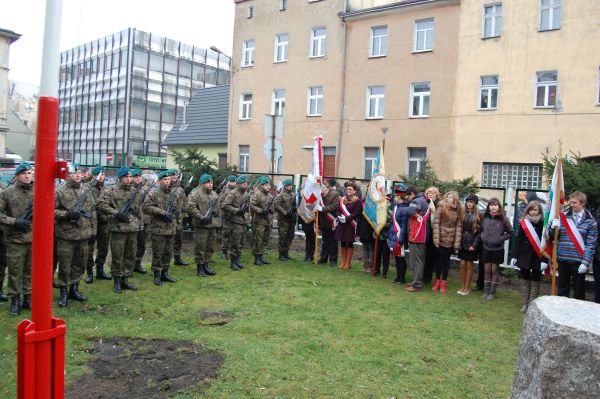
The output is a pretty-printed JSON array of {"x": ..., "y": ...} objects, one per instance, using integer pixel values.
[
  {"x": 140, "y": 185},
  {"x": 75, "y": 214},
  {"x": 285, "y": 206},
  {"x": 16, "y": 202},
  {"x": 202, "y": 206},
  {"x": 3, "y": 297},
  {"x": 235, "y": 206},
  {"x": 102, "y": 238},
  {"x": 123, "y": 225},
  {"x": 162, "y": 226},
  {"x": 180, "y": 203},
  {"x": 261, "y": 206},
  {"x": 225, "y": 227}
]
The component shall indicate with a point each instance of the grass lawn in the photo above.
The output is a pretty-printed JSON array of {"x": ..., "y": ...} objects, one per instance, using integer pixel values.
[{"x": 300, "y": 331}]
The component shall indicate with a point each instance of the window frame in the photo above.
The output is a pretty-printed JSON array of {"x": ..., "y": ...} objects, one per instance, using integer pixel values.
[
  {"x": 321, "y": 40},
  {"x": 316, "y": 98},
  {"x": 416, "y": 159},
  {"x": 246, "y": 107},
  {"x": 552, "y": 10},
  {"x": 489, "y": 88},
  {"x": 546, "y": 85},
  {"x": 244, "y": 166},
  {"x": 369, "y": 159},
  {"x": 493, "y": 17},
  {"x": 598, "y": 87},
  {"x": 379, "y": 103},
  {"x": 414, "y": 94},
  {"x": 503, "y": 174},
  {"x": 282, "y": 5},
  {"x": 280, "y": 101},
  {"x": 250, "y": 12},
  {"x": 284, "y": 45},
  {"x": 416, "y": 36},
  {"x": 251, "y": 51},
  {"x": 372, "y": 38}
]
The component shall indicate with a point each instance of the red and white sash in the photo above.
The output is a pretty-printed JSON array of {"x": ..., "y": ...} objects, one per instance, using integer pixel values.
[
  {"x": 346, "y": 213},
  {"x": 532, "y": 236},
  {"x": 418, "y": 225},
  {"x": 574, "y": 233},
  {"x": 398, "y": 249},
  {"x": 332, "y": 219}
]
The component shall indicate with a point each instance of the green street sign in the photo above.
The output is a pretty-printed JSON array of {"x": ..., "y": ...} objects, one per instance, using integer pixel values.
[{"x": 147, "y": 161}]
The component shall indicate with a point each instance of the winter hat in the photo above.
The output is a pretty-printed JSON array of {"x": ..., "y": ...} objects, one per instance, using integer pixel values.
[{"x": 472, "y": 198}]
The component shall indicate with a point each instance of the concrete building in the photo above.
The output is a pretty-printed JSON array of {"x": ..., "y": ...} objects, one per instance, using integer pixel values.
[
  {"x": 120, "y": 95},
  {"x": 7, "y": 37},
  {"x": 479, "y": 88}
]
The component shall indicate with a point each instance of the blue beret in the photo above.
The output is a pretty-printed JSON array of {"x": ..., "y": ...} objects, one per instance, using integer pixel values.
[
  {"x": 23, "y": 166},
  {"x": 242, "y": 179},
  {"x": 231, "y": 178},
  {"x": 163, "y": 174},
  {"x": 97, "y": 170},
  {"x": 263, "y": 180},
  {"x": 205, "y": 178},
  {"x": 136, "y": 172},
  {"x": 123, "y": 171},
  {"x": 287, "y": 182}
]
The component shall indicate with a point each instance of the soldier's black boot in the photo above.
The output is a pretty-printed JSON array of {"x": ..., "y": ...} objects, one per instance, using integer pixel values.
[
  {"x": 208, "y": 271},
  {"x": 263, "y": 260},
  {"x": 26, "y": 304},
  {"x": 200, "y": 270},
  {"x": 55, "y": 284},
  {"x": 179, "y": 261},
  {"x": 75, "y": 294},
  {"x": 3, "y": 297},
  {"x": 157, "y": 280},
  {"x": 224, "y": 254},
  {"x": 257, "y": 260},
  {"x": 100, "y": 275},
  {"x": 117, "y": 285},
  {"x": 138, "y": 268},
  {"x": 125, "y": 284},
  {"x": 164, "y": 276},
  {"x": 287, "y": 255},
  {"x": 282, "y": 257},
  {"x": 238, "y": 263},
  {"x": 62, "y": 298},
  {"x": 234, "y": 265},
  {"x": 90, "y": 274},
  {"x": 15, "y": 306}
]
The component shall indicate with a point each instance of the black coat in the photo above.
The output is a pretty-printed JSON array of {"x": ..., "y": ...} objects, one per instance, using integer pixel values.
[{"x": 526, "y": 256}]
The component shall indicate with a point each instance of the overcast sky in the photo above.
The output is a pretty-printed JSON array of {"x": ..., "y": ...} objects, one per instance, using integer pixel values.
[{"x": 202, "y": 23}]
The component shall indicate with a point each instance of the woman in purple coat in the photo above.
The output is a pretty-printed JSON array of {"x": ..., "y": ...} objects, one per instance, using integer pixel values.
[{"x": 345, "y": 232}]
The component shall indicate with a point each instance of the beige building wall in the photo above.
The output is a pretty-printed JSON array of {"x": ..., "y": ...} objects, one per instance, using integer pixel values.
[{"x": 7, "y": 37}]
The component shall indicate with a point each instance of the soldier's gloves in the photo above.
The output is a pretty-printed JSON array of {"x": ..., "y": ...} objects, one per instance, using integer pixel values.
[
  {"x": 206, "y": 220},
  {"x": 72, "y": 215},
  {"x": 168, "y": 217},
  {"x": 92, "y": 240},
  {"x": 122, "y": 217},
  {"x": 582, "y": 269},
  {"x": 23, "y": 225}
]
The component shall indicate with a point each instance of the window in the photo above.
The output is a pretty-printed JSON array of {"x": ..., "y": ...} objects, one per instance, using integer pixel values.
[
  {"x": 250, "y": 12},
  {"x": 492, "y": 20},
  {"x": 419, "y": 99},
  {"x": 488, "y": 92},
  {"x": 379, "y": 41},
  {"x": 416, "y": 159},
  {"x": 248, "y": 53},
  {"x": 546, "y": 88},
  {"x": 278, "y": 103},
  {"x": 246, "y": 106},
  {"x": 424, "y": 33},
  {"x": 550, "y": 11},
  {"x": 315, "y": 101},
  {"x": 244, "y": 158},
  {"x": 282, "y": 5},
  {"x": 281, "y": 48},
  {"x": 370, "y": 159},
  {"x": 318, "y": 42},
  {"x": 502, "y": 175},
  {"x": 329, "y": 161},
  {"x": 375, "y": 102}
]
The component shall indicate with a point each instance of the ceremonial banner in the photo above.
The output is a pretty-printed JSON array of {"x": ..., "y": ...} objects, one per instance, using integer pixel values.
[
  {"x": 375, "y": 209},
  {"x": 312, "y": 188},
  {"x": 557, "y": 200}
]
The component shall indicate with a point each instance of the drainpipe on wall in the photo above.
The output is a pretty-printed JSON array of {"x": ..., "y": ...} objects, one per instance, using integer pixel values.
[{"x": 343, "y": 99}]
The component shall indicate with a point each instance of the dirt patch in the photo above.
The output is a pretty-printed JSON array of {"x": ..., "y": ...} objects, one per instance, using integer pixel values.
[
  {"x": 144, "y": 369},
  {"x": 215, "y": 317}
]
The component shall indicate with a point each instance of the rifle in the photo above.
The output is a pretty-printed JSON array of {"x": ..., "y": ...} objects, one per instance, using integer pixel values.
[
  {"x": 211, "y": 208},
  {"x": 171, "y": 209},
  {"x": 268, "y": 208},
  {"x": 28, "y": 214},
  {"x": 127, "y": 206},
  {"x": 143, "y": 197},
  {"x": 294, "y": 205},
  {"x": 187, "y": 185},
  {"x": 246, "y": 203},
  {"x": 221, "y": 186}
]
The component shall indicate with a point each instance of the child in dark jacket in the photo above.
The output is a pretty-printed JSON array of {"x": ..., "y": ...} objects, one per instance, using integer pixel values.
[
  {"x": 398, "y": 232},
  {"x": 468, "y": 253}
]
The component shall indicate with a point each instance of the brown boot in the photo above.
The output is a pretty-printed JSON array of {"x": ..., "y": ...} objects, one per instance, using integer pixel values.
[
  {"x": 343, "y": 253},
  {"x": 348, "y": 261}
]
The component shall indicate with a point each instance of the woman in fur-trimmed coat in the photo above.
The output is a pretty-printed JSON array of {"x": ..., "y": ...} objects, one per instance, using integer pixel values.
[{"x": 447, "y": 230}]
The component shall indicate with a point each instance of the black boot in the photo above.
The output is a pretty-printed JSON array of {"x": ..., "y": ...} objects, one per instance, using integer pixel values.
[
  {"x": 117, "y": 285},
  {"x": 200, "y": 270},
  {"x": 287, "y": 255},
  {"x": 208, "y": 271},
  {"x": 75, "y": 294},
  {"x": 100, "y": 275},
  {"x": 282, "y": 257},
  {"x": 62, "y": 298},
  {"x": 238, "y": 263},
  {"x": 164, "y": 276},
  {"x": 306, "y": 256},
  {"x": 257, "y": 260},
  {"x": 126, "y": 286},
  {"x": 15, "y": 306},
  {"x": 90, "y": 274},
  {"x": 3, "y": 297},
  {"x": 157, "y": 280},
  {"x": 234, "y": 265},
  {"x": 224, "y": 254},
  {"x": 263, "y": 260},
  {"x": 179, "y": 261},
  {"x": 26, "y": 304},
  {"x": 138, "y": 268},
  {"x": 55, "y": 284}
]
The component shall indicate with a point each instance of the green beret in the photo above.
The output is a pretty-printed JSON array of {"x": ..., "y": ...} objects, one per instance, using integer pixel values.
[
  {"x": 205, "y": 178},
  {"x": 23, "y": 166},
  {"x": 263, "y": 180},
  {"x": 163, "y": 174},
  {"x": 172, "y": 172},
  {"x": 231, "y": 178},
  {"x": 241, "y": 179},
  {"x": 123, "y": 171},
  {"x": 136, "y": 172},
  {"x": 73, "y": 167},
  {"x": 287, "y": 182},
  {"x": 97, "y": 170}
]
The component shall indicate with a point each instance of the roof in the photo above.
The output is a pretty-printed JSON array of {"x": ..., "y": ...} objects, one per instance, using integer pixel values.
[
  {"x": 12, "y": 36},
  {"x": 206, "y": 119},
  {"x": 393, "y": 6}
]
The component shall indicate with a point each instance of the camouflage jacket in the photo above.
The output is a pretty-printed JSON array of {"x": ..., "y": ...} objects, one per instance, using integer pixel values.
[
  {"x": 155, "y": 206},
  {"x": 197, "y": 206},
  {"x": 259, "y": 202},
  {"x": 180, "y": 200},
  {"x": 112, "y": 201},
  {"x": 144, "y": 191},
  {"x": 283, "y": 203},
  {"x": 231, "y": 204},
  {"x": 66, "y": 197},
  {"x": 331, "y": 203},
  {"x": 97, "y": 190},
  {"x": 14, "y": 201}
]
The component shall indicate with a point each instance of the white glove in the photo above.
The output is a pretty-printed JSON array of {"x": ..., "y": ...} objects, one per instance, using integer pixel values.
[
  {"x": 318, "y": 207},
  {"x": 543, "y": 266},
  {"x": 342, "y": 219},
  {"x": 555, "y": 223},
  {"x": 582, "y": 269},
  {"x": 513, "y": 262}
]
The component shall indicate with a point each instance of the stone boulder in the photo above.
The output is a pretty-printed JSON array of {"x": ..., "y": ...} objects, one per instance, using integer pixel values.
[{"x": 559, "y": 355}]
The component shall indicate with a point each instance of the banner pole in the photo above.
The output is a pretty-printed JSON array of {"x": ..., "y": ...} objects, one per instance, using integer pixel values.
[
  {"x": 316, "y": 255},
  {"x": 557, "y": 198},
  {"x": 374, "y": 268}
]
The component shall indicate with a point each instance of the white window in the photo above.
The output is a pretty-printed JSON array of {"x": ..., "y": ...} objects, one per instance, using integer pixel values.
[
  {"x": 375, "y": 102},
  {"x": 492, "y": 20},
  {"x": 424, "y": 34},
  {"x": 315, "y": 101},
  {"x": 244, "y": 158},
  {"x": 502, "y": 175},
  {"x": 250, "y": 12},
  {"x": 488, "y": 92},
  {"x": 379, "y": 41},
  {"x": 370, "y": 159},
  {"x": 550, "y": 11},
  {"x": 278, "y": 102},
  {"x": 282, "y": 5},
  {"x": 416, "y": 159},
  {"x": 318, "y": 42},
  {"x": 246, "y": 106},
  {"x": 248, "y": 53},
  {"x": 281, "y": 48},
  {"x": 546, "y": 89},
  {"x": 419, "y": 100}
]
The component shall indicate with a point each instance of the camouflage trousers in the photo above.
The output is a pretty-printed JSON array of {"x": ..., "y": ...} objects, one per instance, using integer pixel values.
[
  {"x": 122, "y": 251},
  {"x": 142, "y": 236},
  {"x": 226, "y": 237},
  {"x": 177, "y": 241},
  {"x": 286, "y": 230},
  {"x": 261, "y": 235},
  {"x": 204, "y": 244},
  {"x": 18, "y": 259},
  {"x": 2, "y": 260},
  {"x": 101, "y": 245},
  {"x": 71, "y": 255},
  {"x": 238, "y": 233},
  {"x": 162, "y": 252}
]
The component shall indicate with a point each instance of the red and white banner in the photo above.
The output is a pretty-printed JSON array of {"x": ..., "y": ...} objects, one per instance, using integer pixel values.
[{"x": 312, "y": 187}]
